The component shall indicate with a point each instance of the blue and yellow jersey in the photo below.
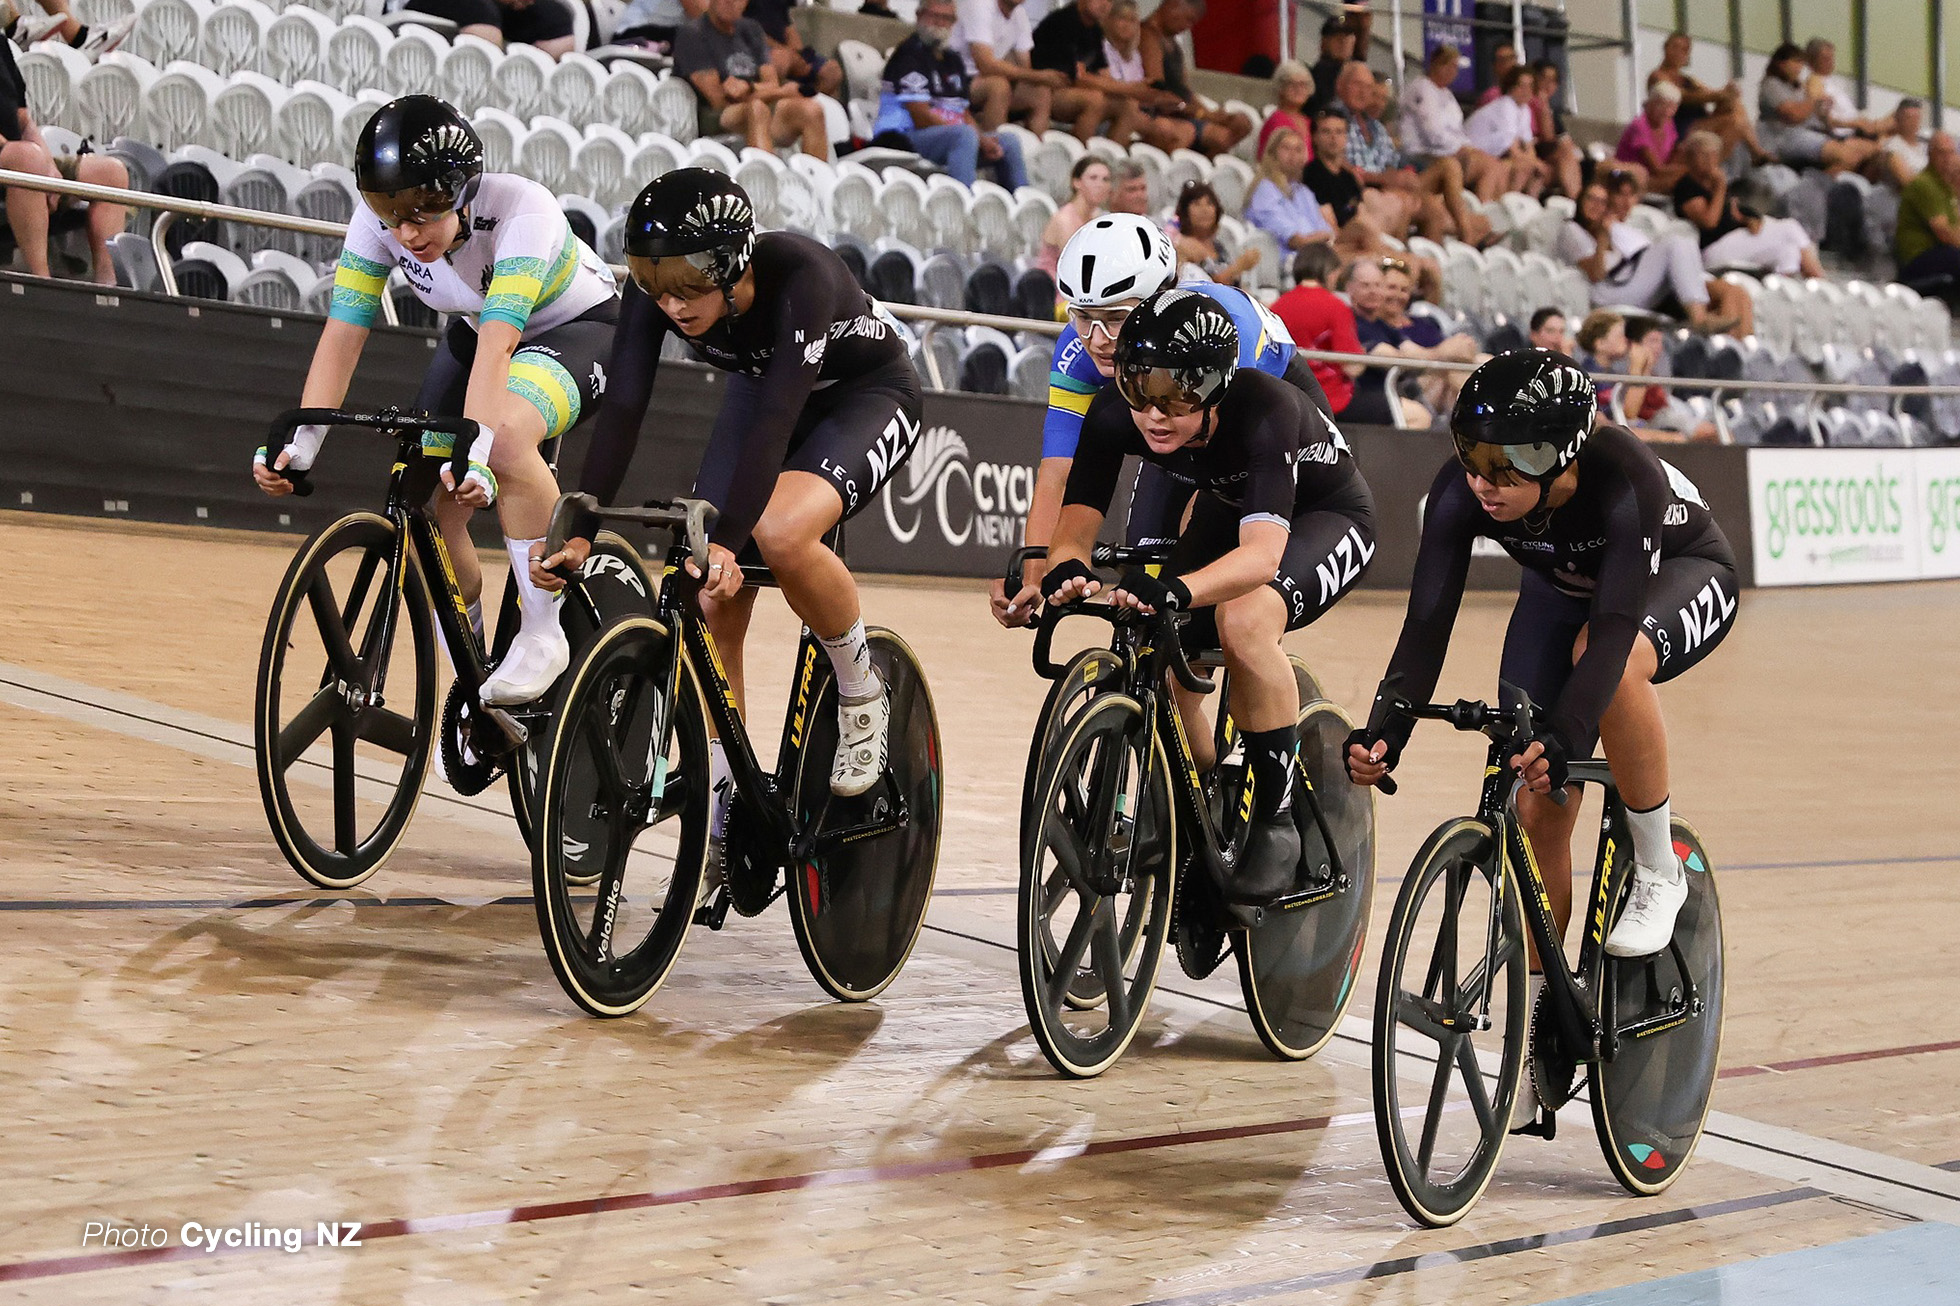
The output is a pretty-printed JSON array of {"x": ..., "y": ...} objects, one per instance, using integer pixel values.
[{"x": 1264, "y": 344}]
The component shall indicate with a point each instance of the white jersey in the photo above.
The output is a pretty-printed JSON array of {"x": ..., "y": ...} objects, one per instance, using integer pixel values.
[{"x": 519, "y": 264}]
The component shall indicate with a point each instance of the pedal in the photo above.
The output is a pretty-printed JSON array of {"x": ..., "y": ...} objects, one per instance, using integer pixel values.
[
  {"x": 714, "y": 912},
  {"x": 1246, "y": 916},
  {"x": 1545, "y": 1126},
  {"x": 514, "y": 730}
]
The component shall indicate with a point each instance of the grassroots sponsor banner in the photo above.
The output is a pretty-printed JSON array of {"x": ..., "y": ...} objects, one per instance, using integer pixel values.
[{"x": 1839, "y": 516}]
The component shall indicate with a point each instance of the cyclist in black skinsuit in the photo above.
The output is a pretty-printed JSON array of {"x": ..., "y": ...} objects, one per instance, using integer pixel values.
[
  {"x": 822, "y": 407},
  {"x": 1628, "y": 582},
  {"x": 1282, "y": 526}
]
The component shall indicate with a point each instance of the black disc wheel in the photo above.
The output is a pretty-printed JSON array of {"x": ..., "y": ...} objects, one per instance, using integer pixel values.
[
  {"x": 1449, "y": 1044},
  {"x": 1107, "y": 831},
  {"x": 1650, "y": 1098},
  {"x": 858, "y": 907},
  {"x": 615, "y": 584},
  {"x": 346, "y": 711},
  {"x": 1304, "y": 680},
  {"x": 1297, "y": 968},
  {"x": 623, "y": 837}
]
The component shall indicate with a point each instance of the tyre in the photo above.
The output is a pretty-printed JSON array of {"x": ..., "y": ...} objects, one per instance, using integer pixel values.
[
  {"x": 1650, "y": 1098},
  {"x": 858, "y": 909},
  {"x": 359, "y": 751},
  {"x": 624, "y": 809},
  {"x": 1297, "y": 969},
  {"x": 1450, "y": 1017},
  {"x": 1107, "y": 828},
  {"x": 1087, "y": 674}
]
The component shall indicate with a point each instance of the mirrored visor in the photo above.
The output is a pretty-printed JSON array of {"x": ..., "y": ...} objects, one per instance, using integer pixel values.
[
  {"x": 1502, "y": 462},
  {"x": 1158, "y": 387},
  {"x": 416, "y": 205},
  {"x": 683, "y": 276}
]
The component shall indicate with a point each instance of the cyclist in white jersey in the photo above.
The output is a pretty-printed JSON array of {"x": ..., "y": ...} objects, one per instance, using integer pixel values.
[{"x": 532, "y": 322}]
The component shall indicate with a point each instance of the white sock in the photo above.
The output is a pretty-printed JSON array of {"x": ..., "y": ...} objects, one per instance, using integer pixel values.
[
  {"x": 1653, "y": 840},
  {"x": 719, "y": 774},
  {"x": 534, "y": 604},
  {"x": 850, "y": 657}
]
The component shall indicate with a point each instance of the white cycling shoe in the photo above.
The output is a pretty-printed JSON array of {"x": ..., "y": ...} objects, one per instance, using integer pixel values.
[
  {"x": 863, "y": 742},
  {"x": 1648, "y": 921},
  {"x": 531, "y": 667}
]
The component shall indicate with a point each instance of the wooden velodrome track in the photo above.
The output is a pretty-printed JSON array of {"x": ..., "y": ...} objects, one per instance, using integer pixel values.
[{"x": 189, "y": 1034}]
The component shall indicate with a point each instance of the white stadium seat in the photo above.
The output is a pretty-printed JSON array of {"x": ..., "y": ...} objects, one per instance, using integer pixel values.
[
  {"x": 709, "y": 153},
  {"x": 502, "y": 135},
  {"x": 233, "y": 37},
  {"x": 854, "y": 202},
  {"x": 802, "y": 207},
  {"x": 469, "y": 72},
  {"x": 258, "y": 188},
  {"x": 574, "y": 89},
  {"x": 759, "y": 172},
  {"x": 1231, "y": 180},
  {"x": 307, "y": 120},
  {"x": 355, "y": 53},
  {"x": 233, "y": 267},
  {"x": 946, "y": 201},
  {"x": 178, "y": 105},
  {"x": 246, "y": 112},
  {"x": 1156, "y": 167},
  {"x": 864, "y": 67},
  {"x": 295, "y": 47},
  {"x": 167, "y": 30},
  {"x": 273, "y": 288},
  {"x": 354, "y": 119},
  {"x": 545, "y": 156},
  {"x": 520, "y": 80},
  {"x": 673, "y": 109},
  {"x": 1050, "y": 161},
  {"x": 330, "y": 197},
  {"x": 626, "y": 98},
  {"x": 413, "y": 64},
  {"x": 1032, "y": 210},
  {"x": 990, "y": 216},
  {"x": 656, "y": 155},
  {"x": 1186, "y": 166},
  {"x": 903, "y": 199},
  {"x": 112, "y": 95},
  {"x": 602, "y": 164},
  {"x": 53, "y": 72}
]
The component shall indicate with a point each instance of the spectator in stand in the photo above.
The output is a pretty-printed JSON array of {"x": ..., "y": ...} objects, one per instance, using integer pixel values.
[
  {"x": 1837, "y": 112},
  {"x": 1292, "y": 92},
  {"x": 1212, "y": 131},
  {"x": 994, "y": 38},
  {"x": 1280, "y": 203},
  {"x": 1655, "y": 408},
  {"x": 1625, "y": 267},
  {"x": 58, "y": 23},
  {"x": 1432, "y": 128},
  {"x": 1129, "y": 188},
  {"x": 653, "y": 24},
  {"x": 797, "y": 62},
  {"x": 1359, "y": 214},
  {"x": 1647, "y": 145},
  {"x": 736, "y": 86},
  {"x": 1604, "y": 349},
  {"x": 1317, "y": 318},
  {"x": 1196, "y": 238},
  {"x": 1367, "y": 289},
  {"x": 1554, "y": 146},
  {"x": 547, "y": 24},
  {"x": 1501, "y": 128},
  {"x": 1791, "y": 127},
  {"x": 1433, "y": 198},
  {"x": 1070, "y": 41},
  {"x": 1903, "y": 149},
  {"x": 1927, "y": 242},
  {"x": 1162, "y": 123},
  {"x": 1548, "y": 331},
  {"x": 1422, "y": 337},
  {"x": 1338, "y": 43},
  {"x": 1622, "y": 197},
  {"x": 1732, "y": 233},
  {"x": 30, "y": 212},
  {"x": 1502, "y": 60},
  {"x": 923, "y": 98},
  {"x": 1088, "y": 183},
  {"x": 1716, "y": 109}
]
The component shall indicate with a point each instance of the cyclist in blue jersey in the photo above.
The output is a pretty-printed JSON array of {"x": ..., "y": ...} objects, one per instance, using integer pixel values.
[{"x": 1107, "y": 269}]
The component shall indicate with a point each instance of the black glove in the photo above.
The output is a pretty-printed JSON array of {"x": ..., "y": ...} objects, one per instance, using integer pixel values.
[
  {"x": 1062, "y": 574},
  {"x": 1367, "y": 739},
  {"x": 1556, "y": 753},
  {"x": 1160, "y": 593}
]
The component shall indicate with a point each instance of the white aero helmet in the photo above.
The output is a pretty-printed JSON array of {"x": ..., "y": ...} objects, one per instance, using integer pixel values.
[{"x": 1117, "y": 256}]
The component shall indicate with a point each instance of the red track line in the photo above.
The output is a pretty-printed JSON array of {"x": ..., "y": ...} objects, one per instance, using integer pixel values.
[
  {"x": 63, "y": 1265},
  {"x": 1838, "y": 1059}
]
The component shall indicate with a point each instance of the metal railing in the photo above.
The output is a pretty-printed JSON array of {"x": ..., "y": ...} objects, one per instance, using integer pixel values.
[{"x": 169, "y": 208}]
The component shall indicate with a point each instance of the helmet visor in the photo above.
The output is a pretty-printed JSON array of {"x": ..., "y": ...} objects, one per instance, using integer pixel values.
[
  {"x": 684, "y": 276},
  {"x": 1171, "y": 391},
  {"x": 416, "y": 205},
  {"x": 1505, "y": 464}
]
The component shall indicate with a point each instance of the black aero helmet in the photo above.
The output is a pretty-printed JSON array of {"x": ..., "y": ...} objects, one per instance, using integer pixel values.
[
  {"x": 697, "y": 215},
  {"x": 1177, "y": 353},
  {"x": 417, "y": 159},
  {"x": 1523, "y": 416}
]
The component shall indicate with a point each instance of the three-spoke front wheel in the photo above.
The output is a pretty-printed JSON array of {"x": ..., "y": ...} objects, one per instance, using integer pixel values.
[{"x": 346, "y": 702}]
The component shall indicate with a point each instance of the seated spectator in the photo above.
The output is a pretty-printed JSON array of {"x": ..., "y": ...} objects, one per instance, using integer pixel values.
[
  {"x": 1622, "y": 197},
  {"x": 1654, "y": 408},
  {"x": 547, "y": 24},
  {"x": 1317, "y": 318},
  {"x": 1552, "y": 143},
  {"x": 1604, "y": 349},
  {"x": 1129, "y": 188},
  {"x": 1280, "y": 203},
  {"x": 1432, "y": 128},
  {"x": 1433, "y": 198},
  {"x": 1422, "y": 337},
  {"x": 654, "y": 23},
  {"x": 1548, "y": 332},
  {"x": 737, "y": 87},
  {"x": 1927, "y": 242},
  {"x": 1733, "y": 234},
  {"x": 1196, "y": 237},
  {"x": 1339, "y": 40},
  {"x": 1088, "y": 183},
  {"x": 1792, "y": 126},
  {"x": 994, "y": 38},
  {"x": 58, "y": 23},
  {"x": 1367, "y": 288},
  {"x": 1626, "y": 268},
  {"x": 1903, "y": 147},
  {"x": 1293, "y": 90},
  {"x": 797, "y": 62},
  {"x": 1070, "y": 41},
  {"x": 923, "y": 99},
  {"x": 1161, "y": 121},
  {"x": 1837, "y": 111},
  {"x": 1503, "y": 59},
  {"x": 1359, "y": 214},
  {"x": 31, "y": 212},
  {"x": 1716, "y": 109},
  {"x": 1647, "y": 145},
  {"x": 1211, "y": 131},
  {"x": 1501, "y": 128}
]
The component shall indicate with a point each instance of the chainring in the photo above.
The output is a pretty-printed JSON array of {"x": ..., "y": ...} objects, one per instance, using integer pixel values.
[
  {"x": 1200, "y": 938},
  {"x": 751, "y": 886},
  {"x": 1554, "y": 1073},
  {"x": 468, "y": 769}
]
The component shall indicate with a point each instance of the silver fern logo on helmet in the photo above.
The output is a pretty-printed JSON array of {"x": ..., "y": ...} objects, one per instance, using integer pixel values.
[
  {"x": 447, "y": 143},
  {"x": 716, "y": 211}
]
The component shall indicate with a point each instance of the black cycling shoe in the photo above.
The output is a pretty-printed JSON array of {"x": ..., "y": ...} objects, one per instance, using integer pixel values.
[{"x": 1271, "y": 859}]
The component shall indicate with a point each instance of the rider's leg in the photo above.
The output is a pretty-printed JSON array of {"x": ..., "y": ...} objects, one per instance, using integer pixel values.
[
  {"x": 1634, "y": 737},
  {"x": 542, "y": 400},
  {"x": 728, "y": 624},
  {"x": 1266, "y": 704}
]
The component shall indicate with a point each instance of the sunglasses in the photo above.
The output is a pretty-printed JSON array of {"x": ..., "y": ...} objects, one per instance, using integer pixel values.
[
  {"x": 1392, "y": 264},
  {"x": 1088, "y": 321}
]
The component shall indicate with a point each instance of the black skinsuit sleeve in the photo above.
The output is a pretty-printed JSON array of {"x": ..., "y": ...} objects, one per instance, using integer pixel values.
[
  {"x": 1435, "y": 592},
  {"x": 1633, "y": 511},
  {"x": 637, "y": 339},
  {"x": 1098, "y": 463}
]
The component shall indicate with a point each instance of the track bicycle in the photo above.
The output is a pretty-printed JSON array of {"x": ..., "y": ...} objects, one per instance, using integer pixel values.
[
  {"x": 1641, "y": 1034},
  {"x": 1127, "y": 845},
  {"x": 625, "y": 804},
  {"x": 336, "y": 645}
]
